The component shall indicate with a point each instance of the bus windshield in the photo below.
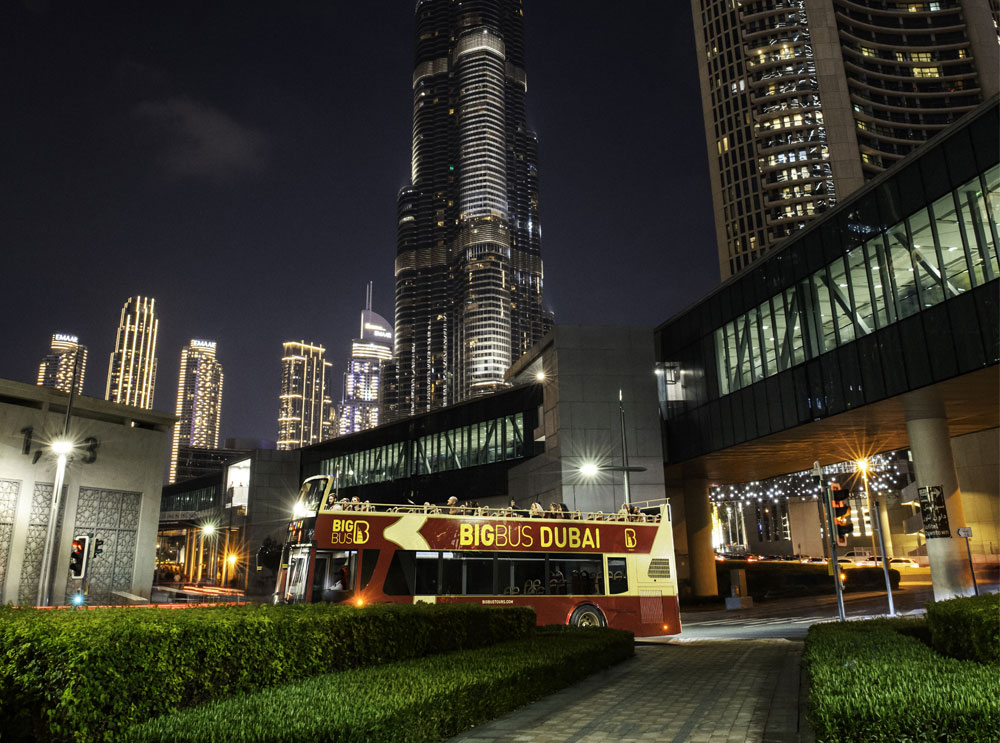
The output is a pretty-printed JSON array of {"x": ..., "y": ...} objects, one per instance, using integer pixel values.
[{"x": 312, "y": 493}]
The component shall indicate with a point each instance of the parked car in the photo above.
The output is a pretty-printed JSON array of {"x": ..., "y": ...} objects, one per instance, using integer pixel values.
[{"x": 858, "y": 556}]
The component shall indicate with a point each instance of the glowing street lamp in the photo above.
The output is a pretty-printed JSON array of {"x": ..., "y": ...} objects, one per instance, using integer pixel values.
[
  {"x": 876, "y": 520},
  {"x": 62, "y": 448}
]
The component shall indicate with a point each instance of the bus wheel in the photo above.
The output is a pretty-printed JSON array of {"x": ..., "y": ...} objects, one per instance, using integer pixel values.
[{"x": 587, "y": 616}]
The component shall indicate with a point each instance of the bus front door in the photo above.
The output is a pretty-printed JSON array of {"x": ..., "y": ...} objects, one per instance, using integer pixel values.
[{"x": 298, "y": 574}]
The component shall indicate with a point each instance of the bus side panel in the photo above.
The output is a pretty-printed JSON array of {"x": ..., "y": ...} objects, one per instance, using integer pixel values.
[{"x": 621, "y": 612}]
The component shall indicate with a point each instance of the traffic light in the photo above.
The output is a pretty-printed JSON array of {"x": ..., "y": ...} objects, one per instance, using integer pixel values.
[
  {"x": 841, "y": 514},
  {"x": 97, "y": 546},
  {"x": 78, "y": 557}
]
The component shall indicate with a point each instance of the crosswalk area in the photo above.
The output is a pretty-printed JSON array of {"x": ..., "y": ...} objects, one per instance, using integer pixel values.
[{"x": 758, "y": 621}]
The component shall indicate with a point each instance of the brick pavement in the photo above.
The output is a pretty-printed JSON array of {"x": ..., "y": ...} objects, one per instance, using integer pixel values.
[{"x": 713, "y": 691}]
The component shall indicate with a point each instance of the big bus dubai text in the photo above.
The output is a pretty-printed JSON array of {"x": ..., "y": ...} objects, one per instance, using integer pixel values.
[{"x": 587, "y": 569}]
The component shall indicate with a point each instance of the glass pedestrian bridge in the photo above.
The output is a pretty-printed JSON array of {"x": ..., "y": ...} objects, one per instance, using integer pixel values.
[{"x": 892, "y": 290}]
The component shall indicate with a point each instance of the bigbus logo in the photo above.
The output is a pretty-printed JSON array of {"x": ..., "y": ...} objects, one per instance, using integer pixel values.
[
  {"x": 349, "y": 532},
  {"x": 630, "y": 540}
]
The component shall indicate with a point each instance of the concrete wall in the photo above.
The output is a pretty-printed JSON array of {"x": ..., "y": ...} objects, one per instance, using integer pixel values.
[
  {"x": 585, "y": 367},
  {"x": 115, "y": 497},
  {"x": 977, "y": 461}
]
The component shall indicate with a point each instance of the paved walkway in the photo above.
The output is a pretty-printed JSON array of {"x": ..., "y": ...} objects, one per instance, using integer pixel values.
[{"x": 711, "y": 691}]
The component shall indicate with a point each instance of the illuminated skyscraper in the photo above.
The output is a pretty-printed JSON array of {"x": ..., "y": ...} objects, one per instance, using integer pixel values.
[
  {"x": 468, "y": 260},
  {"x": 132, "y": 369},
  {"x": 805, "y": 100},
  {"x": 199, "y": 401},
  {"x": 361, "y": 405},
  {"x": 66, "y": 359},
  {"x": 304, "y": 407}
]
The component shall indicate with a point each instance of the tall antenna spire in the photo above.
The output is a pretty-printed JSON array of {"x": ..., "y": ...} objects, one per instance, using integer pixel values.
[{"x": 368, "y": 297}]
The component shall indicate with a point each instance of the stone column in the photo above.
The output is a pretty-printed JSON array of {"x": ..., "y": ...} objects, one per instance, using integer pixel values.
[
  {"x": 698, "y": 520},
  {"x": 930, "y": 444}
]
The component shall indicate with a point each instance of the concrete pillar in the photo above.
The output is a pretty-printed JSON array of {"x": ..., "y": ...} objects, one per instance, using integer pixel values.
[
  {"x": 883, "y": 522},
  {"x": 930, "y": 444},
  {"x": 698, "y": 521}
]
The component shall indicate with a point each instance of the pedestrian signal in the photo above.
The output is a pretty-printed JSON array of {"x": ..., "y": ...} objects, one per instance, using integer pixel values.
[{"x": 78, "y": 556}]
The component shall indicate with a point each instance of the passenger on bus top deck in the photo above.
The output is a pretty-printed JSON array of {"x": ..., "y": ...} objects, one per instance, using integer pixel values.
[
  {"x": 536, "y": 511},
  {"x": 453, "y": 505}
]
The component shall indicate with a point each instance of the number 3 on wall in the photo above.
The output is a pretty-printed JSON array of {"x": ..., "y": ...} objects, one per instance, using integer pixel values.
[{"x": 90, "y": 450}]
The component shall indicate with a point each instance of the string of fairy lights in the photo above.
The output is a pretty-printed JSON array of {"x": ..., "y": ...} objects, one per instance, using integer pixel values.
[{"x": 889, "y": 471}]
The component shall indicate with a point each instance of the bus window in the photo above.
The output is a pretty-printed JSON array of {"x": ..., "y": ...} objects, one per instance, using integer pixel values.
[
  {"x": 468, "y": 573},
  {"x": 369, "y": 559},
  {"x": 312, "y": 493},
  {"x": 521, "y": 573},
  {"x": 427, "y": 573},
  {"x": 333, "y": 575},
  {"x": 617, "y": 575},
  {"x": 412, "y": 574},
  {"x": 584, "y": 573}
]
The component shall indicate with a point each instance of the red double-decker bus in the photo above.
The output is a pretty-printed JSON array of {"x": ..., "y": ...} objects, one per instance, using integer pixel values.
[{"x": 585, "y": 569}]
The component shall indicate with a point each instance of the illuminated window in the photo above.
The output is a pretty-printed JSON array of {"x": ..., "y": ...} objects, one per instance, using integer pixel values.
[{"x": 927, "y": 72}]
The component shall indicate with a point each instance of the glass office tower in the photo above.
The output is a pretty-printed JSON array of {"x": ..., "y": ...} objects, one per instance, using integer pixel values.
[
  {"x": 807, "y": 100},
  {"x": 360, "y": 407},
  {"x": 65, "y": 362},
  {"x": 199, "y": 401},
  {"x": 304, "y": 408},
  {"x": 468, "y": 262},
  {"x": 132, "y": 367}
]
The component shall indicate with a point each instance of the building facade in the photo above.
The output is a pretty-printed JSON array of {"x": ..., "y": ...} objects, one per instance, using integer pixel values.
[
  {"x": 112, "y": 486},
  {"x": 468, "y": 263},
  {"x": 872, "y": 331},
  {"x": 304, "y": 408},
  {"x": 526, "y": 443},
  {"x": 361, "y": 404},
  {"x": 199, "y": 401},
  {"x": 132, "y": 368},
  {"x": 64, "y": 367},
  {"x": 806, "y": 100},
  {"x": 225, "y": 528}
]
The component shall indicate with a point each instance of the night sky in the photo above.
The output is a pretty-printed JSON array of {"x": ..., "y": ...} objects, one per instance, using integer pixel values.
[{"x": 240, "y": 161}]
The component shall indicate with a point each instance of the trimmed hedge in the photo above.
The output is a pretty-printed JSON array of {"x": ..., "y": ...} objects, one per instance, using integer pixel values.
[
  {"x": 88, "y": 675},
  {"x": 421, "y": 700},
  {"x": 779, "y": 579},
  {"x": 967, "y": 628},
  {"x": 875, "y": 682}
]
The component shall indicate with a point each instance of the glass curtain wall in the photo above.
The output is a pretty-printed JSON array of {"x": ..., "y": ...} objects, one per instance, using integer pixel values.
[
  {"x": 932, "y": 255},
  {"x": 495, "y": 440}
]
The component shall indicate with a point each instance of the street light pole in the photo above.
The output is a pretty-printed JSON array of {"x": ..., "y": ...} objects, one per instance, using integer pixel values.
[
  {"x": 876, "y": 521},
  {"x": 62, "y": 448},
  {"x": 625, "y": 467}
]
